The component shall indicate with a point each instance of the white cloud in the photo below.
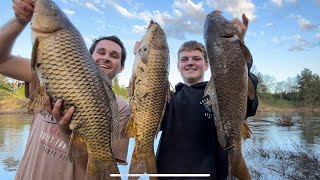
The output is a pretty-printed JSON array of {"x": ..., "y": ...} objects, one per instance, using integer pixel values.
[
  {"x": 317, "y": 36},
  {"x": 279, "y": 40},
  {"x": 69, "y": 12},
  {"x": 280, "y": 3},
  {"x": 301, "y": 45},
  {"x": 186, "y": 17},
  {"x": 303, "y": 23},
  {"x": 88, "y": 39},
  {"x": 189, "y": 7},
  {"x": 123, "y": 11},
  {"x": 235, "y": 7},
  {"x": 275, "y": 40},
  {"x": 277, "y": 2},
  {"x": 292, "y": 1},
  {"x": 139, "y": 29},
  {"x": 297, "y": 37},
  {"x": 92, "y": 7},
  {"x": 269, "y": 24},
  {"x": 298, "y": 47}
]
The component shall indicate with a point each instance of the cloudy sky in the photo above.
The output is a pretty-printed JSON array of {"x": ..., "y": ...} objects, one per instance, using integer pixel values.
[{"x": 283, "y": 35}]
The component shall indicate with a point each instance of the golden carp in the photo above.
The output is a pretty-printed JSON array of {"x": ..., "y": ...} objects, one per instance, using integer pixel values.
[
  {"x": 228, "y": 87},
  {"x": 67, "y": 71},
  {"x": 148, "y": 92}
]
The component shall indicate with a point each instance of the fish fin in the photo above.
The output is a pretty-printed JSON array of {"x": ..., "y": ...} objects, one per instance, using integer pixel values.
[
  {"x": 77, "y": 147},
  {"x": 131, "y": 87},
  {"x": 245, "y": 131},
  {"x": 246, "y": 54},
  {"x": 37, "y": 100},
  {"x": 142, "y": 162},
  {"x": 131, "y": 127},
  {"x": 211, "y": 94},
  {"x": 238, "y": 167},
  {"x": 210, "y": 90},
  {"x": 115, "y": 124},
  {"x": 98, "y": 169},
  {"x": 34, "y": 55},
  {"x": 164, "y": 109},
  {"x": 250, "y": 89},
  {"x": 168, "y": 97}
]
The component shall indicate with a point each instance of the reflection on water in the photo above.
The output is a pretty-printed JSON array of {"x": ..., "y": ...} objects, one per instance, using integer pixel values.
[
  {"x": 267, "y": 133},
  {"x": 281, "y": 152},
  {"x": 14, "y": 130}
]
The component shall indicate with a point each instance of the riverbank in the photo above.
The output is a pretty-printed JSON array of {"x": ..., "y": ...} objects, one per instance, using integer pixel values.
[
  {"x": 268, "y": 108},
  {"x": 19, "y": 106},
  {"x": 13, "y": 105}
]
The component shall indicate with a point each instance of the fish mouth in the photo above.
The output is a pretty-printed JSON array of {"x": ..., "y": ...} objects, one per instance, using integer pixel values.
[{"x": 227, "y": 36}]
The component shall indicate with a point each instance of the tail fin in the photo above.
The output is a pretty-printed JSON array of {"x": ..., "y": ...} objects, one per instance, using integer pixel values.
[
  {"x": 131, "y": 127},
  {"x": 77, "y": 147},
  {"x": 141, "y": 163},
  {"x": 245, "y": 131},
  {"x": 211, "y": 92},
  {"x": 37, "y": 99},
  {"x": 101, "y": 169},
  {"x": 238, "y": 167}
]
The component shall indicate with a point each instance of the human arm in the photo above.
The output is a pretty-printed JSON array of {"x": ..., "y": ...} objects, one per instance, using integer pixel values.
[
  {"x": 242, "y": 26},
  {"x": 10, "y": 65}
]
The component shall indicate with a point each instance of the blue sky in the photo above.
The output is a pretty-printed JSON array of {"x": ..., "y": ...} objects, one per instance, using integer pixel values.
[{"x": 283, "y": 35}]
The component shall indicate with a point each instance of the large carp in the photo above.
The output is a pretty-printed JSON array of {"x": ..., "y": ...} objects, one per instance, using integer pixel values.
[
  {"x": 228, "y": 87},
  {"x": 148, "y": 92},
  {"x": 67, "y": 71}
]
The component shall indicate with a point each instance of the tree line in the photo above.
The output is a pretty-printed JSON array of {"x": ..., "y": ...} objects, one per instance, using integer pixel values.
[
  {"x": 11, "y": 87},
  {"x": 303, "y": 90}
]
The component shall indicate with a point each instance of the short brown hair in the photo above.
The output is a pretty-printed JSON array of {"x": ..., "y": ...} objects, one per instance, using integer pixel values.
[
  {"x": 193, "y": 45},
  {"x": 114, "y": 39}
]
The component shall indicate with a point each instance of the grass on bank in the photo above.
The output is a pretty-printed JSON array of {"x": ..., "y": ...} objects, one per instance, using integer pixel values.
[
  {"x": 13, "y": 101},
  {"x": 292, "y": 163}
]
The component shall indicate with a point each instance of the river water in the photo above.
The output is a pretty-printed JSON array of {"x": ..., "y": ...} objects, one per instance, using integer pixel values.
[{"x": 267, "y": 136}]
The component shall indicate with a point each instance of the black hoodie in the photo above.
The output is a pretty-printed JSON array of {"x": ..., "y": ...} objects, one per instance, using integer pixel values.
[{"x": 189, "y": 142}]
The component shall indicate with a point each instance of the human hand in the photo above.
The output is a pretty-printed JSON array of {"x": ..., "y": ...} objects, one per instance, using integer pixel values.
[
  {"x": 136, "y": 47},
  {"x": 62, "y": 121},
  {"x": 243, "y": 26},
  {"x": 23, "y": 10}
]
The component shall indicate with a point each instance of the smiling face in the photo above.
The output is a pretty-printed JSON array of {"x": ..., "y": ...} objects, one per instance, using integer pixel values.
[
  {"x": 107, "y": 54},
  {"x": 192, "y": 66}
]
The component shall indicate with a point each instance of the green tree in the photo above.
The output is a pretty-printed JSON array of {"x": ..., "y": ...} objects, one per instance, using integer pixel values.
[
  {"x": 262, "y": 87},
  {"x": 308, "y": 87},
  {"x": 119, "y": 90}
]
